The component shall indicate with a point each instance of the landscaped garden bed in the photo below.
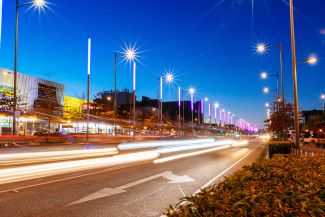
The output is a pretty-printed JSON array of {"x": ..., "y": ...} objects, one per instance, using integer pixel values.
[{"x": 281, "y": 186}]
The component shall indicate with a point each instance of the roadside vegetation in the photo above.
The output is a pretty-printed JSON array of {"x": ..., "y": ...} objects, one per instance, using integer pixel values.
[{"x": 280, "y": 186}]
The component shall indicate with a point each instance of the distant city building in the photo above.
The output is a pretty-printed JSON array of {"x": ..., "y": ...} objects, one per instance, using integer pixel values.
[
  {"x": 308, "y": 115},
  {"x": 35, "y": 96},
  {"x": 33, "y": 93},
  {"x": 123, "y": 98},
  {"x": 170, "y": 110}
]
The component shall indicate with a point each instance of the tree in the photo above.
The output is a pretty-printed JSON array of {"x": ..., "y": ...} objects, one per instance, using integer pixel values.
[
  {"x": 7, "y": 100},
  {"x": 281, "y": 118}
]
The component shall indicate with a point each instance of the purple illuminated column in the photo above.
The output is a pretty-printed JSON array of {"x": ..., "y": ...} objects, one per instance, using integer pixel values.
[
  {"x": 202, "y": 112},
  {"x": 179, "y": 105},
  {"x": 209, "y": 110},
  {"x": 192, "y": 102}
]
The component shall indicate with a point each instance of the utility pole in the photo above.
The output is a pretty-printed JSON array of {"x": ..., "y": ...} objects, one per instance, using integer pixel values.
[
  {"x": 115, "y": 94},
  {"x": 294, "y": 73}
]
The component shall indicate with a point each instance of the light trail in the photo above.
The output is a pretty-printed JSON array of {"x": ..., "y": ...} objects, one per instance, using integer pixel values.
[
  {"x": 37, "y": 157},
  {"x": 175, "y": 157},
  {"x": 194, "y": 147},
  {"x": 9, "y": 175},
  {"x": 142, "y": 145},
  {"x": 219, "y": 146},
  {"x": 38, "y": 171}
]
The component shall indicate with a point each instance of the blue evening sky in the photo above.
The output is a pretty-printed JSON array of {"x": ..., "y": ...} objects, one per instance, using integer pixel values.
[{"x": 208, "y": 44}]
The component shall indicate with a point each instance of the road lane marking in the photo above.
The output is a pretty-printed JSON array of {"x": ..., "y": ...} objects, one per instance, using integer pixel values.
[
  {"x": 226, "y": 170},
  {"x": 106, "y": 192}
]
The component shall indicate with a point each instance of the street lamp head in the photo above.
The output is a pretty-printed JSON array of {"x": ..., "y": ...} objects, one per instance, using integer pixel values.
[
  {"x": 264, "y": 75},
  {"x": 311, "y": 60},
  {"x": 267, "y": 105},
  {"x": 109, "y": 98},
  {"x": 216, "y": 105},
  {"x": 169, "y": 77},
  {"x": 191, "y": 90},
  {"x": 39, "y": 3},
  {"x": 223, "y": 110},
  {"x": 260, "y": 48},
  {"x": 206, "y": 99},
  {"x": 266, "y": 90},
  {"x": 322, "y": 96},
  {"x": 130, "y": 54}
]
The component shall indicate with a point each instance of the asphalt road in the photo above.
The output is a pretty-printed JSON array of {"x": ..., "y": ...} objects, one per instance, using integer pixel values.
[{"x": 139, "y": 190}]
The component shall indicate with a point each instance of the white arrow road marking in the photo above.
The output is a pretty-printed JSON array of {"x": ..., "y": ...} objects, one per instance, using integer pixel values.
[
  {"x": 106, "y": 192},
  {"x": 176, "y": 179}
]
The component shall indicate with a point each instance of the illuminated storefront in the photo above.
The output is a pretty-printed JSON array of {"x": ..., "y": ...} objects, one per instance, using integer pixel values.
[{"x": 37, "y": 99}]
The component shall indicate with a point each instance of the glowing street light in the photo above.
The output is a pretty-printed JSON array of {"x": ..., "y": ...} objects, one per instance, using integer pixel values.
[
  {"x": 169, "y": 77},
  {"x": 311, "y": 60},
  {"x": 36, "y": 4},
  {"x": 191, "y": 90},
  {"x": 266, "y": 90},
  {"x": 39, "y": 3},
  {"x": 261, "y": 48},
  {"x": 206, "y": 99},
  {"x": 322, "y": 96},
  {"x": 264, "y": 75},
  {"x": 267, "y": 105},
  {"x": 130, "y": 54}
]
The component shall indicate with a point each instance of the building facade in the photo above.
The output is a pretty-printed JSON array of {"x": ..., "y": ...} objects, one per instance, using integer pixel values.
[{"x": 35, "y": 96}]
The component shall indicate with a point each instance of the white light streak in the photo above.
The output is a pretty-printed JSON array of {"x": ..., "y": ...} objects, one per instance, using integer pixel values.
[
  {"x": 141, "y": 145},
  {"x": 50, "y": 169},
  {"x": 175, "y": 157},
  {"x": 89, "y": 55},
  {"x": 36, "y": 157}
]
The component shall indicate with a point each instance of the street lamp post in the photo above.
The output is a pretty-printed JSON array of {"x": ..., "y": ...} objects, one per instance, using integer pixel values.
[
  {"x": 179, "y": 110},
  {"x": 134, "y": 93},
  {"x": 169, "y": 78},
  {"x": 209, "y": 110},
  {"x": 88, "y": 85},
  {"x": 323, "y": 99},
  {"x": 115, "y": 94},
  {"x": 191, "y": 92},
  {"x": 129, "y": 54},
  {"x": 216, "y": 106},
  {"x": 37, "y": 4},
  {"x": 161, "y": 98},
  {"x": 294, "y": 73}
]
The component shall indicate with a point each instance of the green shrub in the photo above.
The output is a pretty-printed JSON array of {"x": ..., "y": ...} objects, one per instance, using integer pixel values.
[
  {"x": 281, "y": 147},
  {"x": 279, "y": 187}
]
